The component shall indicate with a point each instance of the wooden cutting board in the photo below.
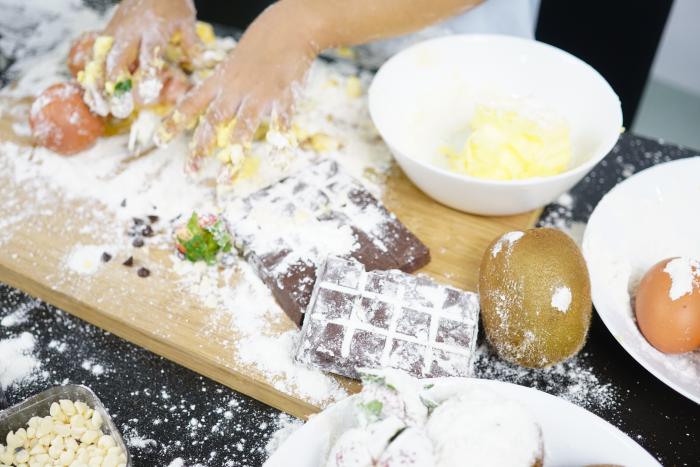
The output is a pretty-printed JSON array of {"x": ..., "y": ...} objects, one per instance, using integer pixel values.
[{"x": 158, "y": 314}]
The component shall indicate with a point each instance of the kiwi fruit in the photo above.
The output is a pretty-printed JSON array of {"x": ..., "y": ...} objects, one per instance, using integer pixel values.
[{"x": 535, "y": 296}]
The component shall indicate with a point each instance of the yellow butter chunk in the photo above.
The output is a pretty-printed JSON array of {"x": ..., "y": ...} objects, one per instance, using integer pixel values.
[
  {"x": 321, "y": 142},
  {"x": 205, "y": 31},
  {"x": 353, "y": 87},
  {"x": 93, "y": 71},
  {"x": 91, "y": 74},
  {"x": 507, "y": 145},
  {"x": 249, "y": 168},
  {"x": 346, "y": 52},
  {"x": 101, "y": 47},
  {"x": 223, "y": 133}
]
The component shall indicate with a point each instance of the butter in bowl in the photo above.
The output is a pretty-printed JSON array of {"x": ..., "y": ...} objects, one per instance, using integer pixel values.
[{"x": 493, "y": 125}]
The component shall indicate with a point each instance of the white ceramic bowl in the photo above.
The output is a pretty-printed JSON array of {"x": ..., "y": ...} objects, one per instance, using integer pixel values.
[{"x": 425, "y": 96}]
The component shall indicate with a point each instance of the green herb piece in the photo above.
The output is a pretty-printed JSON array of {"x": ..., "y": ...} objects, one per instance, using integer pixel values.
[
  {"x": 428, "y": 403},
  {"x": 203, "y": 243},
  {"x": 122, "y": 87},
  {"x": 373, "y": 408},
  {"x": 381, "y": 380},
  {"x": 370, "y": 378}
]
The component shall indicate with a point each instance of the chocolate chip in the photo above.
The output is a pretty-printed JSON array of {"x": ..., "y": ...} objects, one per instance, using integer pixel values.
[
  {"x": 147, "y": 231},
  {"x": 106, "y": 257},
  {"x": 123, "y": 203},
  {"x": 143, "y": 272},
  {"x": 153, "y": 219},
  {"x": 129, "y": 261},
  {"x": 138, "y": 242}
]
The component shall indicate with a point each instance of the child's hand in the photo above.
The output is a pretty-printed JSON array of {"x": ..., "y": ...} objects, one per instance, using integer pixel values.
[
  {"x": 142, "y": 30},
  {"x": 257, "y": 80}
]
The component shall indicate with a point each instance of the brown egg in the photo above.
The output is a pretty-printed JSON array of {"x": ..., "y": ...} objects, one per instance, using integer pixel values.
[
  {"x": 61, "y": 121},
  {"x": 668, "y": 309},
  {"x": 81, "y": 52}
]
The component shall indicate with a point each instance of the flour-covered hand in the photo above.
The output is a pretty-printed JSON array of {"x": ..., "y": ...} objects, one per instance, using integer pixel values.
[
  {"x": 256, "y": 81},
  {"x": 142, "y": 31}
]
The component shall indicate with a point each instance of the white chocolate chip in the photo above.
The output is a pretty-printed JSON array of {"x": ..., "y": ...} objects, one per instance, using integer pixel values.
[
  {"x": 106, "y": 442},
  {"x": 70, "y": 436},
  {"x": 67, "y": 457},
  {"x": 114, "y": 451},
  {"x": 55, "y": 410},
  {"x": 8, "y": 457},
  {"x": 21, "y": 456},
  {"x": 81, "y": 408},
  {"x": 77, "y": 421},
  {"x": 38, "y": 449},
  {"x": 89, "y": 437},
  {"x": 96, "y": 420},
  {"x": 44, "y": 428},
  {"x": 62, "y": 429},
  {"x": 67, "y": 407}
]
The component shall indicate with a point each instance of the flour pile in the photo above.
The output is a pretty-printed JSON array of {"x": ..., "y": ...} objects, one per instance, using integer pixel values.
[{"x": 18, "y": 362}]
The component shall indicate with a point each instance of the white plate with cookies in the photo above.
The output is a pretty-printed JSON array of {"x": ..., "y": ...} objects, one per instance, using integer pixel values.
[{"x": 570, "y": 435}]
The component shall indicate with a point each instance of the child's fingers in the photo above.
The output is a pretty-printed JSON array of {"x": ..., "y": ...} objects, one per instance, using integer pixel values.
[
  {"x": 185, "y": 114},
  {"x": 121, "y": 57},
  {"x": 191, "y": 44},
  {"x": 214, "y": 125},
  {"x": 247, "y": 121}
]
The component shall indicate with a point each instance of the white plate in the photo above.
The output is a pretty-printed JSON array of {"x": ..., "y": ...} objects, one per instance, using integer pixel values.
[
  {"x": 648, "y": 217},
  {"x": 573, "y": 437}
]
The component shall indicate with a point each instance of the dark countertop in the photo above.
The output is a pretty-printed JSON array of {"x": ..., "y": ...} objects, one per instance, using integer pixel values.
[{"x": 166, "y": 411}]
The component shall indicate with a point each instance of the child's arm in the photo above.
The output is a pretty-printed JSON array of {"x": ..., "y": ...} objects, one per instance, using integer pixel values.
[{"x": 260, "y": 75}]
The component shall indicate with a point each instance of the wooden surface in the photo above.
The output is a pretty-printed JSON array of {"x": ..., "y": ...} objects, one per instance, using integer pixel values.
[{"x": 158, "y": 314}]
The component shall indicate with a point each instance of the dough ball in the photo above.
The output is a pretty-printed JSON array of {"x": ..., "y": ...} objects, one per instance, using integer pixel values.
[
  {"x": 61, "y": 121},
  {"x": 411, "y": 448},
  {"x": 478, "y": 427}
]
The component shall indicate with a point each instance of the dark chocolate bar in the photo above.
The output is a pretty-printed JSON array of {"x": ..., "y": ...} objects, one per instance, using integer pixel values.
[
  {"x": 380, "y": 319},
  {"x": 287, "y": 230}
]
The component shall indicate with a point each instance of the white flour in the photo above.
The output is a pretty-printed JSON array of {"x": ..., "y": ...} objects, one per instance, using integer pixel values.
[
  {"x": 572, "y": 379},
  {"x": 285, "y": 427},
  {"x": 17, "y": 362},
  {"x": 507, "y": 240},
  {"x": 85, "y": 259},
  {"x": 244, "y": 304},
  {"x": 561, "y": 299},
  {"x": 20, "y": 315},
  {"x": 685, "y": 276}
]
